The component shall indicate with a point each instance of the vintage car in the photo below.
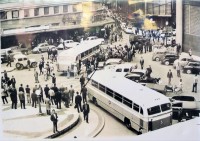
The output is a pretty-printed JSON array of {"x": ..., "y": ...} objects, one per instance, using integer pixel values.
[
  {"x": 68, "y": 44},
  {"x": 42, "y": 47},
  {"x": 20, "y": 61}
]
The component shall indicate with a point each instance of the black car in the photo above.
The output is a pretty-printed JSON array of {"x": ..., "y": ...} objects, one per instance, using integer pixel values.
[
  {"x": 169, "y": 59},
  {"x": 192, "y": 67}
]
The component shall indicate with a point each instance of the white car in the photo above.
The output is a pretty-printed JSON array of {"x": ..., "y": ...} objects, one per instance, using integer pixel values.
[
  {"x": 129, "y": 30},
  {"x": 20, "y": 61},
  {"x": 101, "y": 40},
  {"x": 68, "y": 44},
  {"x": 42, "y": 47}
]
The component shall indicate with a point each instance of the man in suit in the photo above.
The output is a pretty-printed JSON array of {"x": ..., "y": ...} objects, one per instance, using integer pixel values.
[
  {"x": 13, "y": 97},
  {"x": 22, "y": 99},
  {"x": 13, "y": 81},
  {"x": 142, "y": 63},
  {"x": 34, "y": 99},
  {"x": 21, "y": 88},
  {"x": 84, "y": 93},
  {"x": 86, "y": 110},
  {"x": 169, "y": 76},
  {"x": 54, "y": 119},
  {"x": 78, "y": 100},
  {"x": 58, "y": 99}
]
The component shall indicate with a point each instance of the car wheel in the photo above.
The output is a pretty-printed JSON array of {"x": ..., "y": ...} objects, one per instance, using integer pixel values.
[
  {"x": 188, "y": 71},
  {"x": 157, "y": 59},
  {"x": 34, "y": 65},
  {"x": 166, "y": 63},
  {"x": 127, "y": 123},
  {"x": 19, "y": 66}
]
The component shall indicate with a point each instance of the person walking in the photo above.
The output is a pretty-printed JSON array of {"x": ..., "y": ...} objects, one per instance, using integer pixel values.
[
  {"x": 66, "y": 97},
  {"x": 40, "y": 67},
  {"x": 41, "y": 93},
  {"x": 82, "y": 81},
  {"x": 58, "y": 99},
  {"x": 84, "y": 93},
  {"x": 36, "y": 76},
  {"x": 71, "y": 93},
  {"x": 4, "y": 96},
  {"x": 86, "y": 111},
  {"x": 34, "y": 99},
  {"x": 178, "y": 70},
  {"x": 169, "y": 76},
  {"x": 29, "y": 64},
  {"x": 13, "y": 81},
  {"x": 53, "y": 78},
  {"x": 52, "y": 96},
  {"x": 142, "y": 63},
  {"x": 28, "y": 93},
  {"x": 22, "y": 99},
  {"x": 48, "y": 105},
  {"x": 54, "y": 119},
  {"x": 46, "y": 91},
  {"x": 194, "y": 88},
  {"x": 78, "y": 100},
  {"x": 9, "y": 60}
]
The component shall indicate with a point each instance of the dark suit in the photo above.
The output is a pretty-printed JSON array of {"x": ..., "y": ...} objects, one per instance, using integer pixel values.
[
  {"x": 13, "y": 97},
  {"x": 86, "y": 110},
  {"x": 54, "y": 119},
  {"x": 21, "y": 89},
  {"x": 58, "y": 99},
  {"x": 78, "y": 100},
  {"x": 13, "y": 82},
  {"x": 34, "y": 99}
]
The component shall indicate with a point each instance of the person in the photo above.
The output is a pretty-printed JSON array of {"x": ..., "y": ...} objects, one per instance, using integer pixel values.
[
  {"x": 84, "y": 93},
  {"x": 52, "y": 96},
  {"x": 48, "y": 106},
  {"x": 142, "y": 63},
  {"x": 53, "y": 78},
  {"x": 178, "y": 69},
  {"x": 75, "y": 72},
  {"x": 41, "y": 93},
  {"x": 86, "y": 110},
  {"x": 194, "y": 88},
  {"x": 58, "y": 99},
  {"x": 179, "y": 88},
  {"x": 169, "y": 76},
  {"x": 40, "y": 67},
  {"x": 68, "y": 72},
  {"x": 178, "y": 49},
  {"x": 9, "y": 60},
  {"x": 29, "y": 64},
  {"x": 78, "y": 100},
  {"x": 5, "y": 76},
  {"x": 21, "y": 88},
  {"x": 82, "y": 81},
  {"x": 54, "y": 119},
  {"x": 46, "y": 91},
  {"x": 36, "y": 76},
  {"x": 22, "y": 99},
  {"x": 13, "y": 81},
  {"x": 71, "y": 93},
  {"x": 190, "y": 52},
  {"x": 66, "y": 97},
  {"x": 28, "y": 93},
  {"x": 4, "y": 96},
  {"x": 13, "y": 96},
  {"x": 34, "y": 99},
  {"x": 148, "y": 72}
]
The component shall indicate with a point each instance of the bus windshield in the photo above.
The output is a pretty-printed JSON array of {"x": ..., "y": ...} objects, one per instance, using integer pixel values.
[
  {"x": 154, "y": 110},
  {"x": 165, "y": 107}
]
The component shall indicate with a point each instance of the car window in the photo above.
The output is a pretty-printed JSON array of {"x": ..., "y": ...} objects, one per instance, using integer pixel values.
[
  {"x": 25, "y": 59},
  {"x": 184, "y": 59},
  {"x": 20, "y": 59},
  {"x": 126, "y": 70},
  {"x": 119, "y": 70}
]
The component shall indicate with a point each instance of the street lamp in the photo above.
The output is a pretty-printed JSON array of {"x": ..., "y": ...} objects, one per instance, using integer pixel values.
[
  {"x": 166, "y": 31},
  {"x": 38, "y": 97}
]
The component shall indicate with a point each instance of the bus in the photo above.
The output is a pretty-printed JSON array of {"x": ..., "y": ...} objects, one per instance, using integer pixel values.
[
  {"x": 139, "y": 107},
  {"x": 70, "y": 57}
]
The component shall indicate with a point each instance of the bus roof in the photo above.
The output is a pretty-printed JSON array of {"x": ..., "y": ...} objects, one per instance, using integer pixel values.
[
  {"x": 82, "y": 47},
  {"x": 144, "y": 96}
]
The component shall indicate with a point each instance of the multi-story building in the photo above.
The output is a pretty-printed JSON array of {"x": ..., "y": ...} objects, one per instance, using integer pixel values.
[{"x": 22, "y": 18}]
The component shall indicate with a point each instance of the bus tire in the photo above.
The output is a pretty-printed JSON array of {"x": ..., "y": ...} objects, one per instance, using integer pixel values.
[
  {"x": 94, "y": 100},
  {"x": 127, "y": 123}
]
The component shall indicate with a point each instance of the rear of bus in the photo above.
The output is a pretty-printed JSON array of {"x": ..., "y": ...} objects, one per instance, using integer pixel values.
[{"x": 64, "y": 61}]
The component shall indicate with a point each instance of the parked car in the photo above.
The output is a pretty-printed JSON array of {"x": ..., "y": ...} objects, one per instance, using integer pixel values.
[
  {"x": 68, "y": 44},
  {"x": 192, "y": 67},
  {"x": 42, "y": 47},
  {"x": 20, "y": 61},
  {"x": 184, "y": 107},
  {"x": 101, "y": 40},
  {"x": 157, "y": 55},
  {"x": 139, "y": 72},
  {"x": 110, "y": 62},
  {"x": 6, "y": 52},
  {"x": 125, "y": 67},
  {"x": 157, "y": 87},
  {"x": 169, "y": 59}
]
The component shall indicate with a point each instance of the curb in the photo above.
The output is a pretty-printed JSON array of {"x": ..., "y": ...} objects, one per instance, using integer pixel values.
[
  {"x": 99, "y": 127},
  {"x": 74, "y": 123}
]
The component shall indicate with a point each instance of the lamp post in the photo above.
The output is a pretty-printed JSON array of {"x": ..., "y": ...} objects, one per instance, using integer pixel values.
[
  {"x": 166, "y": 31},
  {"x": 38, "y": 97}
]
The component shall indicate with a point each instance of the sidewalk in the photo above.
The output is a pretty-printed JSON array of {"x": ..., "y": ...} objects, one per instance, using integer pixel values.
[{"x": 28, "y": 124}]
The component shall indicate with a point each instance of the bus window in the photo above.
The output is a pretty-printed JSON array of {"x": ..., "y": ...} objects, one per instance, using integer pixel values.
[
  {"x": 90, "y": 51},
  {"x": 154, "y": 110},
  {"x": 94, "y": 83},
  {"x": 109, "y": 92},
  {"x": 86, "y": 53},
  {"x": 82, "y": 55},
  {"x": 141, "y": 111},
  {"x": 118, "y": 97},
  {"x": 119, "y": 70},
  {"x": 101, "y": 87},
  {"x": 127, "y": 102},
  {"x": 136, "y": 107},
  {"x": 165, "y": 107},
  {"x": 126, "y": 70}
]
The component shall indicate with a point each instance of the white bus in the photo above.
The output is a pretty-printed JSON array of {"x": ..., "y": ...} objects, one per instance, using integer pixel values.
[
  {"x": 137, "y": 106},
  {"x": 70, "y": 57}
]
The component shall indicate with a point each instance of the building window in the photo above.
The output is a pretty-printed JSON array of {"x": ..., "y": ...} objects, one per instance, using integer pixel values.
[
  {"x": 15, "y": 14},
  {"x": 65, "y": 8},
  {"x": 3, "y": 15},
  {"x": 46, "y": 10},
  {"x": 36, "y": 12},
  {"x": 75, "y": 8},
  {"x": 56, "y": 9},
  {"x": 26, "y": 12}
]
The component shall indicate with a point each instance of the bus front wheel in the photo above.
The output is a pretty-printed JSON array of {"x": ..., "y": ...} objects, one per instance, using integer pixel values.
[
  {"x": 127, "y": 123},
  {"x": 94, "y": 100}
]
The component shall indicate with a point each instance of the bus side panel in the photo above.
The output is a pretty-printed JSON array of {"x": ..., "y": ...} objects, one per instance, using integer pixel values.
[{"x": 118, "y": 111}]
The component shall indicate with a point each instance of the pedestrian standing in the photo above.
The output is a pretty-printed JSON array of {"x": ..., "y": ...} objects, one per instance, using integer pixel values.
[
  {"x": 54, "y": 119},
  {"x": 194, "y": 88},
  {"x": 169, "y": 76},
  {"x": 9, "y": 60},
  {"x": 178, "y": 70},
  {"x": 29, "y": 64},
  {"x": 4, "y": 95},
  {"x": 46, "y": 91},
  {"x": 41, "y": 93},
  {"x": 48, "y": 106},
  {"x": 36, "y": 76},
  {"x": 28, "y": 94},
  {"x": 78, "y": 100},
  {"x": 21, "y": 88},
  {"x": 34, "y": 99},
  {"x": 5, "y": 76},
  {"x": 75, "y": 72},
  {"x": 22, "y": 99},
  {"x": 190, "y": 52},
  {"x": 58, "y": 99},
  {"x": 71, "y": 93},
  {"x": 45, "y": 74},
  {"x": 40, "y": 68},
  {"x": 52, "y": 96},
  {"x": 86, "y": 111},
  {"x": 68, "y": 72},
  {"x": 142, "y": 63},
  {"x": 84, "y": 93},
  {"x": 178, "y": 48},
  {"x": 82, "y": 81},
  {"x": 53, "y": 78},
  {"x": 13, "y": 81},
  {"x": 66, "y": 97},
  {"x": 13, "y": 96}
]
